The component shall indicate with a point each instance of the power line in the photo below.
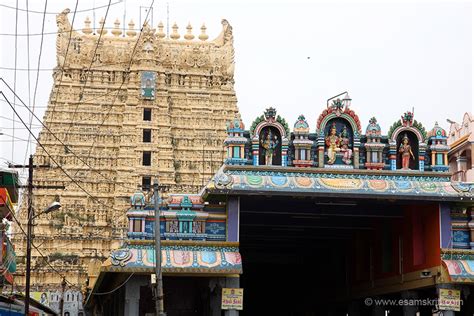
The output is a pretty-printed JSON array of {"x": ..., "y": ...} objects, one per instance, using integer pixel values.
[
  {"x": 57, "y": 164},
  {"x": 9, "y": 119},
  {"x": 54, "y": 33},
  {"x": 34, "y": 246},
  {"x": 103, "y": 65},
  {"x": 37, "y": 73},
  {"x": 14, "y": 73},
  {"x": 62, "y": 143},
  {"x": 101, "y": 32},
  {"x": 28, "y": 66},
  {"x": 111, "y": 291},
  {"x": 56, "y": 13},
  {"x": 65, "y": 57},
  {"x": 123, "y": 79}
]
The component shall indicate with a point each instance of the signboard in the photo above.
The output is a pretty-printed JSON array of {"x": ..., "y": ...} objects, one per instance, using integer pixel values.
[
  {"x": 232, "y": 298},
  {"x": 449, "y": 300}
]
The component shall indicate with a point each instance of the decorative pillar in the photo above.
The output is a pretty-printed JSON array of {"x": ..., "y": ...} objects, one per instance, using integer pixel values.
[
  {"x": 461, "y": 162},
  {"x": 393, "y": 155},
  {"x": 132, "y": 294},
  {"x": 232, "y": 282},
  {"x": 233, "y": 218},
  {"x": 460, "y": 228},
  {"x": 255, "y": 151},
  {"x": 421, "y": 156}
]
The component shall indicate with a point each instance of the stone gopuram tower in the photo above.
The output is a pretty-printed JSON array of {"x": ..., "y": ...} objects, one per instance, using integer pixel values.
[{"x": 124, "y": 109}]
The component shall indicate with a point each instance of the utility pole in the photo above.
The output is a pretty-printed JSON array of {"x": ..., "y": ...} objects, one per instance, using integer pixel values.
[
  {"x": 160, "y": 310},
  {"x": 28, "y": 235},
  {"x": 29, "y": 225},
  {"x": 63, "y": 286}
]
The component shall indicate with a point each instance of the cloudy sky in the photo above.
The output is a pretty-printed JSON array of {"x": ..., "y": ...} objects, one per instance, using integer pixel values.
[{"x": 293, "y": 56}]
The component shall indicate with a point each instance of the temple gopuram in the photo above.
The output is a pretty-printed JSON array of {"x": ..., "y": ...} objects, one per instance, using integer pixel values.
[
  {"x": 124, "y": 107},
  {"x": 322, "y": 220}
]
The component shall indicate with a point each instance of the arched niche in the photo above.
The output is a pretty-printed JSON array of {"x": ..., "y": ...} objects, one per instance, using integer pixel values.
[
  {"x": 270, "y": 143},
  {"x": 341, "y": 143},
  {"x": 270, "y": 122},
  {"x": 413, "y": 141}
]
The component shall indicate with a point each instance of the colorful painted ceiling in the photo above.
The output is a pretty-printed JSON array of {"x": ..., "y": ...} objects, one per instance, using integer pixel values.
[{"x": 316, "y": 181}]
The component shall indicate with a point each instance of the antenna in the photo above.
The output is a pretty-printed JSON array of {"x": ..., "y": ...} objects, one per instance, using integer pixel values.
[
  {"x": 167, "y": 20},
  {"x": 124, "y": 16},
  {"x": 93, "y": 17}
]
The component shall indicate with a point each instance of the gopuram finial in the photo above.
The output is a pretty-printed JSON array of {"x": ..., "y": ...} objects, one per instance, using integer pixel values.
[
  {"x": 189, "y": 33},
  {"x": 203, "y": 36},
  {"x": 175, "y": 35}
]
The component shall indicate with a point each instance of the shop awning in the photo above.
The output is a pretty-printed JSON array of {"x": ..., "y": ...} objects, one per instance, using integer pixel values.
[
  {"x": 5, "y": 204},
  {"x": 460, "y": 270},
  {"x": 176, "y": 259}
]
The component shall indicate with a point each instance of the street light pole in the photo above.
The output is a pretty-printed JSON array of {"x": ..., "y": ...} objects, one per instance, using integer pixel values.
[
  {"x": 28, "y": 235},
  {"x": 29, "y": 229},
  {"x": 160, "y": 310}
]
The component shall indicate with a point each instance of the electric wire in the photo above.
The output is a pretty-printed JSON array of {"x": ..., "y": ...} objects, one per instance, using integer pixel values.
[
  {"x": 14, "y": 73},
  {"x": 56, "y": 13},
  {"x": 10, "y": 119},
  {"x": 37, "y": 73},
  {"x": 117, "y": 288},
  {"x": 28, "y": 66},
  {"x": 58, "y": 165},
  {"x": 66, "y": 146},
  {"x": 101, "y": 32},
  {"x": 57, "y": 32},
  {"x": 123, "y": 81},
  {"x": 103, "y": 65},
  {"x": 65, "y": 59},
  {"x": 34, "y": 246}
]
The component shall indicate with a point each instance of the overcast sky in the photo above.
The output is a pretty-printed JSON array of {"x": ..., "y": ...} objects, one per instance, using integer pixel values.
[{"x": 292, "y": 56}]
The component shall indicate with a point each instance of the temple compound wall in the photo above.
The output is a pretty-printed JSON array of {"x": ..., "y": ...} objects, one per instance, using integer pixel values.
[{"x": 124, "y": 108}]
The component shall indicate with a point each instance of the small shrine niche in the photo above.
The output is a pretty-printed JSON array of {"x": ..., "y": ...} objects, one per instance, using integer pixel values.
[
  {"x": 269, "y": 147},
  {"x": 407, "y": 151},
  {"x": 407, "y": 146},
  {"x": 269, "y": 140},
  {"x": 235, "y": 142},
  {"x": 339, "y": 133},
  {"x": 302, "y": 144},
  {"x": 374, "y": 147},
  {"x": 438, "y": 144},
  {"x": 148, "y": 84}
]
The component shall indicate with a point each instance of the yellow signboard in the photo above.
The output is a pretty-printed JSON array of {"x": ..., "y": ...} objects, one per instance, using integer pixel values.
[
  {"x": 449, "y": 300},
  {"x": 232, "y": 298}
]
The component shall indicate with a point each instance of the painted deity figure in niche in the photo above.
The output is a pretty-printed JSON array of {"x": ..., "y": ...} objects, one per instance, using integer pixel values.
[
  {"x": 345, "y": 146},
  {"x": 333, "y": 144},
  {"x": 269, "y": 144},
  {"x": 148, "y": 85},
  {"x": 406, "y": 153}
]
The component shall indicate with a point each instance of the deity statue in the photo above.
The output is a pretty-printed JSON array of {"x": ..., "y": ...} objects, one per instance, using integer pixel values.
[
  {"x": 406, "y": 153},
  {"x": 269, "y": 144},
  {"x": 345, "y": 144},
  {"x": 332, "y": 143},
  {"x": 147, "y": 90}
]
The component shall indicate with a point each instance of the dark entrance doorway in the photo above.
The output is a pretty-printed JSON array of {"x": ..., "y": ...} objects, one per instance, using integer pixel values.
[
  {"x": 186, "y": 296},
  {"x": 297, "y": 252}
]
